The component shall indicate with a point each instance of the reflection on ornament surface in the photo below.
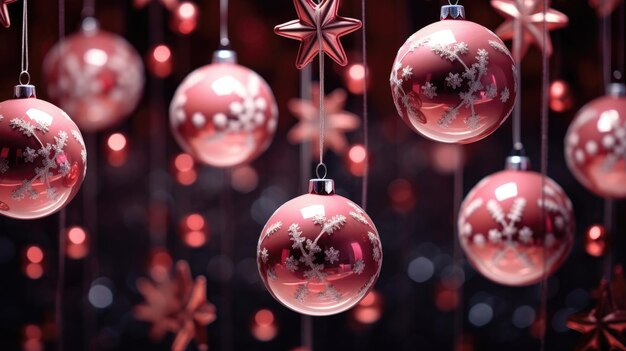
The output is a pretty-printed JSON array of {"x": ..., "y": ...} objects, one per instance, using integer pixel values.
[
  {"x": 42, "y": 158},
  {"x": 595, "y": 145},
  {"x": 454, "y": 81},
  {"x": 95, "y": 76},
  {"x": 319, "y": 254},
  {"x": 501, "y": 229},
  {"x": 223, "y": 114}
]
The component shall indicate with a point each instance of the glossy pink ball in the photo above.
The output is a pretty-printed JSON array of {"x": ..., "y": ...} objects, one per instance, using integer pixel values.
[
  {"x": 319, "y": 254},
  {"x": 224, "y": 115},
  {"x": 454, "y": 81},
  {"x": 502, "y": 232},
  {"x": 42, "y": 158},
  {"x": 595, "y": 145},
  {"x": 96, "y": 76}
]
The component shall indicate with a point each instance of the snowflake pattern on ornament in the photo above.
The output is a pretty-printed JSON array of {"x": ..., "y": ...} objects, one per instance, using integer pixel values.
[
  {"x": 471, "y": 76},
  {"x": 613, "y": 141},
  {"x": 509, "y": 234},
  {"x": 52, "y": 158}
]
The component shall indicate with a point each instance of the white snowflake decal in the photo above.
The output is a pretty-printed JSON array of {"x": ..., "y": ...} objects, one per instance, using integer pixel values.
[
  {"x": 332, "y": 255},
  {"x": 52, "y": 158},
  {"x": 358, "y": 267},
  {"x": 471, "y": 76},
  {"x": 273, "y": 228}
]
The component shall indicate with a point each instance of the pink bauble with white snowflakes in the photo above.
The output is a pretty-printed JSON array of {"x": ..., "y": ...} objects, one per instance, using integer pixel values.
[
  {"x": 595, "y": 144},
  {"x": 454, "y": 81},
  {"x": 319, "y": 254},
  {"x": 224, "y": 114},
  {"x": 42, "y": 157},
  {"x": 501, "y": 229},
  {"x": 94, "y": 75}
]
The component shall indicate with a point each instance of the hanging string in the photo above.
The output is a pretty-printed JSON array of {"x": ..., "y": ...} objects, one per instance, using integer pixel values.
[
  {"x": 545, "y": 81},
  {"x": 60, "y": 288},
  {"x": 365, "y": 111},
  {"x": 321, "y": 167},
  {"x": 517, "y": 57},
  {"x": 605, "y": 40},
  {"x": 618, "y": 74},
  {"x": 457, "y": 253},
  {"x": 608, "y": 225},
  {"x": 89, "y": 8},
  {"x": 224, "y": 40},
  {"x": 24, "y": 75},
  {"x": 227, "y": 241}
]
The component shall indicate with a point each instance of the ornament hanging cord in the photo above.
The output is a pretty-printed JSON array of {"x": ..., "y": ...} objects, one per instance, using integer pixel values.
[
  {"x": 517, "y": 56},
  {"x": 224, "y": 40},
  {"x": 89, "y": 8},
  {"x": 365, "y": 110},
  {"x": 24, "y": 62},
  {"x": 321, "y": 167},
  {"x": 545, "y": 81}
]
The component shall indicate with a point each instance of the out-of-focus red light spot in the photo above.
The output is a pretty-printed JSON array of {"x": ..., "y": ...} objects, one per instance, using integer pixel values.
[
  {"x": 161, "y": 53},
  {"x": 117, "y": 141},
  {"x": 34, "y": 254},
  {"x": 34, "y": 270},
  {"x": 76, "y": 235},
  {"x": 184, "y": 162}
]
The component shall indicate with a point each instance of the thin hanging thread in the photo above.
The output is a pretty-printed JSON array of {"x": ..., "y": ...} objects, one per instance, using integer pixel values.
[
  {"x": 605, "y": 40},
  {"x": 517, "y": 56},
  {"x": 227, "y": 241},
  {"x": 544, "y": 173},
  {"x": 457, "y": 255},
  {"x": 60, "y": 288},
  {"x": 366, "y": 167},
  {"x": 322, "y": 116},
  {"x": 618, "y": 74},
  {"x": 224, "y": 40},
  {"x": 24, "y": 62},
  {"x": 89, "y": 8}
]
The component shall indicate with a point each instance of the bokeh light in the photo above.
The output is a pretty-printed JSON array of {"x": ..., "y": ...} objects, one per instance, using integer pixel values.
[
  {"x": 446, "y": 158},
  {"x": 159, "y": 61},
  {"x": 244, "y": 179},
  {"x": 184, "y": 169},
  {"x": 194, "y": 230},
  {"x": 100, "y": 294},
  {"x": 264, "y": 326},
  {"x": 116, "y": 149},
  {"x": 353, "y": 76},
  {"x": 561, "y": 98},
  {"x": 184, "y": 18},
  {"x": 32, "y": 335},
  {"x": 77, "y": 245},
  {"x": 159, "y": 264},
  {"x": 355, "y": 160},
  {"x": 402, "y": 195},
  {"x": 369, "y": 309},
  {"x": 596, "y": 240}
]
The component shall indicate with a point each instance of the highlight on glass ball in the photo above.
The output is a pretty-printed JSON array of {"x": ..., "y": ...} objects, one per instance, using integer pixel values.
[
  {"x": 501, "y": 228},
  {"x": 43, "y": 159},
  {"x": 595, "y": 144},
  {"x": 224, "y": 114},
  {"x": 454, "y": 81},
  {"x": 95, "y": 76},
  {"x": 319, "y": 254}
]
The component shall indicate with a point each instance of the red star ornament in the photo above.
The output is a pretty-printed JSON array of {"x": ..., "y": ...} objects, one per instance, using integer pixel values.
[
  {"x": 603, "y": 327},
  {"x": 530, "y": 13},
  {"x": 318, "y": 27},
  {"x": 4, "y": 13}
]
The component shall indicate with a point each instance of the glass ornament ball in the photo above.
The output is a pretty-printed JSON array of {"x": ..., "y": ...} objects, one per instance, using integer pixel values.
[
  {"x": 223, "y": 114},
  {"x": 595, "y": 144},
  {"x": 319, "y": 254},
  {"x": 454, "y": 81},
  {"x": 42, "y": 156},
  {"x": 94, "y": 75},
  {"x": 501, "y": 227}
]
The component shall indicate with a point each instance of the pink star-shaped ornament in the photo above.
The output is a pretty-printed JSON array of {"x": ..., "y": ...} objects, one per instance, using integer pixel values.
[
  {"x": 605, "y": 7},
  {"x": 318, "y": 27},
  {"x": 4, "y": 13},
  {"x": 337, "y": 121},
  {"x": 603, "y": 327},
  {"x": 530, "y": 13}
]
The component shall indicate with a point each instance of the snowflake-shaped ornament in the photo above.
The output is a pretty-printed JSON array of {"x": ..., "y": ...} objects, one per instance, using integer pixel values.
[
  {"x": 502, "y": 232},
  {"x": 319, "y": 254},
  {"x": 43, "y": 163},
  {"x": 454, "y": 81}
]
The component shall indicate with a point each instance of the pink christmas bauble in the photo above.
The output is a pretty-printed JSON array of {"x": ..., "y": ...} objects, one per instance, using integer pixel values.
[
  {"x": 595, "y": 145},
  {"x": 319, "y": 254},
  {"x": 501, "y": 229},
  {"x": 94, "y": 75},
  {"x": 454, "y": 81},
  {"x": 42, "y": 158},
  {"x": 223, "y": 114}
]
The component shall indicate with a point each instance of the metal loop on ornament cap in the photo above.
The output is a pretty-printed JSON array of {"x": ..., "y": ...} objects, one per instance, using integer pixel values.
[
  {"x": 517, "y": 161},
  {"x": 616, "y": 90},
  {"x": 24, "y": 91},
  {"x": 452, "y": 11},
  {"x": 224, "y": 56},
  {"x": 321, "y": 186},
  {"x": 321, "y": 167},
  {"x": 24, "y": 75}
]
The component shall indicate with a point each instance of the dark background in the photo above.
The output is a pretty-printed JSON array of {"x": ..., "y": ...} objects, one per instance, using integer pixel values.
[{"x": 411, "y": 319}]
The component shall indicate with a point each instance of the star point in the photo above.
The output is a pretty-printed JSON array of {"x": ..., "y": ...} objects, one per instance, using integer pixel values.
[
  {"x": 4, "y": 13},
  {"x": 318, "y": 27},
  {"x": 531, "y": 15}
]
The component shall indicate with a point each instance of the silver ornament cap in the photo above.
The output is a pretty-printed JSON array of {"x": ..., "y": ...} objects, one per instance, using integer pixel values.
[
  {"x": 321, "y": 186},
  {"x": 454, "y": 12},
  {"x": 616, "y": 90},
  {"x": 224, "y": 56},
  {"x": 24, "y": 91}
]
